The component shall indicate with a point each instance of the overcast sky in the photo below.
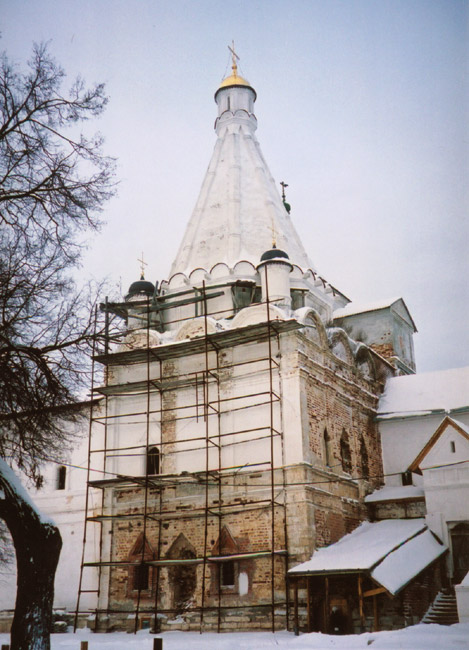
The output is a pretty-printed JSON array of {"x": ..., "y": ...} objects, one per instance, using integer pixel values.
[{"x": 362, "y": 109}]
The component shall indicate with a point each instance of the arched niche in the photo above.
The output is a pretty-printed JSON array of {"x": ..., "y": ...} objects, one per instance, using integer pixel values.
[
  {"x": 244, "y": 268},
  {"x": 310, "y": 275},
  {"x": 296, "y": 272},
  {"x": 220, "y": 270},
  {"x": 182, "y": 577},
  {"x": 314, "y": 327},
  {"x": 197, "y": 276},
  {"x": 196, "y": 327},
  {"x": 178, "y": 280},
  {"x": 365, "y": 362},
  {"x": 225, "y": 573},
  {"x": 340, "y": 345},
  {"x": 256, "y": 314},
  {"x": 141, "y": 575}
]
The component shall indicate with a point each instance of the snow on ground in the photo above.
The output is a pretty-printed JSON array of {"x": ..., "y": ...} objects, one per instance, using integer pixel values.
[{"x": 417, "y": 637}]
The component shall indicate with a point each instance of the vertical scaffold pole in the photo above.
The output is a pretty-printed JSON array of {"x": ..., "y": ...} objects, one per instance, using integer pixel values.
[
  {"x": 145, "y": 461},
  {"x": 87, "y": 495},
  {"x": 207, "y": 456},
  {"x": 272, "y": 450},
  {"x": 160, "y": 499}
]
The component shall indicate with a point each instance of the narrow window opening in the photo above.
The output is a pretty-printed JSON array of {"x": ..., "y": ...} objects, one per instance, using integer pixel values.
[
  {"x": 327, "y": 451},
  {"x": 345, "y": 454},
  {"x": 452, "y": 445},
  {"x": 61, "y": 477},
  {"x": 364, "y": 458},
  {"x": 153, "y": 461},
  {"x": 141, "y": 576},
  {"x": 227, "y": 577},
  {"x": 228, "y": 103}
]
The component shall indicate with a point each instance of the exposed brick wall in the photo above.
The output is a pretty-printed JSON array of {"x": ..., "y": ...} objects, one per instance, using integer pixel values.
[
  {"x": 340, "y": 400},
  {"x": 386, "y": 350},
  {"x": 322, "y": 501}
]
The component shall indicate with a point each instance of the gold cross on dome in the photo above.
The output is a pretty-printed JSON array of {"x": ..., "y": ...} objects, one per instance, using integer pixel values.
[
  {"x": 234, "y": 59},
  {"x": 143, "y": 264}
]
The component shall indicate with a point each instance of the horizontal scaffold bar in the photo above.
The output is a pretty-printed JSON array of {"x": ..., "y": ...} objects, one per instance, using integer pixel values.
[
  {"x": 227, "y": 338},
  {"x": 189, "y": 561}
]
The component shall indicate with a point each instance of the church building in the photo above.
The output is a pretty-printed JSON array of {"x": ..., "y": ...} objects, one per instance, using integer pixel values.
[
  {"x": 244, "y": 416},
  {"x": 235, "y": 430}
]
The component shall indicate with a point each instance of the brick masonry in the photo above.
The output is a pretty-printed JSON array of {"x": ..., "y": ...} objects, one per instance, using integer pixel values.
[{"x": 316, "y": 500}]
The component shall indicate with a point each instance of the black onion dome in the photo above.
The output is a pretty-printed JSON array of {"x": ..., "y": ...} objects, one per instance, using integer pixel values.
[
  {"x": 141, "y": 286},
  {"x": 273, "y": 254}
]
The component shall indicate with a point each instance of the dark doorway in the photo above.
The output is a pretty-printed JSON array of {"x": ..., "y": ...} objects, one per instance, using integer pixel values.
[
  {"x": 460, "y": 551},
  {"x": 182, "y": 577}
]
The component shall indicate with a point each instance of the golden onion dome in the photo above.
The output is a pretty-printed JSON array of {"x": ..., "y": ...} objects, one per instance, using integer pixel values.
[{"x": 234, "y": 80}]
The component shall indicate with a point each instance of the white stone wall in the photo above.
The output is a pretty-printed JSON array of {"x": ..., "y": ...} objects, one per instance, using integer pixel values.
[
  {"x": 402, "y": 439},
  {"x": 67, "y": 509},
  {"x": 462, "y": 597},
  {"x": 447, "y": 498}
]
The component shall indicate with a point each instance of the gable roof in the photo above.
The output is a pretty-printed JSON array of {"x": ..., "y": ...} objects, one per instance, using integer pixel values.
[
  {"x": 425, "y": 393},
  {"x": 447, "y": 422},
  {"x": 355, "y": 308}
]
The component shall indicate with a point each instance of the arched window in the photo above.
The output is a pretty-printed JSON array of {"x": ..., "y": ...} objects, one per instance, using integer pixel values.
[
  {"x": 182, "y": 576},
  {"x": 364, "y": 460},
  {"x": 153, "y": 461},
  {"x": 345, "y": 453},
  {"x": 228, "y": 572},
  {"x": 326, "y": 448},
  {"x": 141, "y": 576},
  {"x": 61, "y": 477}
]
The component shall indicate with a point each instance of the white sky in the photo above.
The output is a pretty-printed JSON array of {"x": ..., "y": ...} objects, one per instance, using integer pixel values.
[{"x": 362, "y": 109}]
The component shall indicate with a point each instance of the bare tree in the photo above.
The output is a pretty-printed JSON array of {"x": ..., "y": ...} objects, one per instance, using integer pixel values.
[{"x": 53, "y": 184}]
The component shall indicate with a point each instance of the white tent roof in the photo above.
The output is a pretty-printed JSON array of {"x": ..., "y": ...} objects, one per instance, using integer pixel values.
[{"x": 239, "y": 210}]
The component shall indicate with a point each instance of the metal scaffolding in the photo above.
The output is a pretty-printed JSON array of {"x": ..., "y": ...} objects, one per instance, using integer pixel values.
[{"x": 209, "y": 403}]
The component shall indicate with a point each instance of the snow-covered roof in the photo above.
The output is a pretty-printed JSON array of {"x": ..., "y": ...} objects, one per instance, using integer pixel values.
[
  {"x": 364, "y": 547},
  {"x": 443, "y": 390},
  {"x": 406, "y": 562},
  {"x": 359, "y": 307},
  {"x": 395, "y": 493},
  {"x": 393, "y": 551}
]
